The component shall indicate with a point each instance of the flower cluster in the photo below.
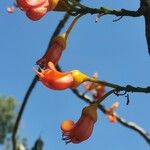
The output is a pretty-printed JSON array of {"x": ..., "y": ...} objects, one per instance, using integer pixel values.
[
  {"x": 54, "y": 79},
  {"x": 96, "y": 90}
]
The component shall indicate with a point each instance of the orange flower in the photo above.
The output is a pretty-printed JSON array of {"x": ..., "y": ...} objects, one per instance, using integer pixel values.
[
  {"x": 54, "y": 53},
  {"x": 110, "y": 112},
  {"x": 36, "y": 9},
  {"x": 56, "y": 80},
  {"x": 82, "y": 129}
]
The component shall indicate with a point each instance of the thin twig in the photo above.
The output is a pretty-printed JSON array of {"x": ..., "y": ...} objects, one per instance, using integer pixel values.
[
  {"x": 82, "y": 9},
  {"x": 127, "y": 88}
]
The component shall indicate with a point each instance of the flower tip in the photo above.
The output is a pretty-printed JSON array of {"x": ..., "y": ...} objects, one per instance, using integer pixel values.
[
  {"x": 51, "y": 66},
  {"x": 115, "y": 105},
  {"x": 112, "y": 118},
  {"x": 67, "y": 125}
]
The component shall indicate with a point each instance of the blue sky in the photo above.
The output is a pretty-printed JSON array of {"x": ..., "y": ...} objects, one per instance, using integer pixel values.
[{"x": 117, "y": 51}]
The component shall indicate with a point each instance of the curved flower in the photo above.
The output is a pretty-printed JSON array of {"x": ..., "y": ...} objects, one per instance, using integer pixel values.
[
  {"x": 56, "y": 80},
  {"x": 36, "y": 9},
  {"x": 82, "y": 129},
  {"x": 54, "y": 53}
]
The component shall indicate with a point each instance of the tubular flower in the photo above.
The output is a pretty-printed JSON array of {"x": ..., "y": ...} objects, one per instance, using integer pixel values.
[
  {"x": 56, "y": 80},
  {"x": 82, "y": 129},
  {"x": 55, "y": 51},
  {"x": 110, "y": 112},
  {"x": 36, "y": 9}
]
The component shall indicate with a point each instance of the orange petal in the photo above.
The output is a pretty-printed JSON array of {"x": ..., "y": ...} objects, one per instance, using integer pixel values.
[
  {"x": 35, "y": 3},
  {"x": 36, "y": 13},
  {"x": 115, "y": 106},
  {"x": 67, "y": 125},
  {"x": 63, "y": 82},
  {"x": 112, "y": 118},
  {"x": 51, "y": 66}
]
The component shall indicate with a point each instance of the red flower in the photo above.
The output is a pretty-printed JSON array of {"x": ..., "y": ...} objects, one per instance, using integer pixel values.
[
  {"x": 82, "y": 129},
  {"x": 36, "y": 9},
  {"x": 56, "y": 80},
  {"x": 54, "y": 53}
]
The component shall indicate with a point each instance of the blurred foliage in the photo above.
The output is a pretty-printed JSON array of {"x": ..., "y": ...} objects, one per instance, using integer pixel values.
[
  {"x": 38, "y": 145},
  {"x": 8, "y": 114}
]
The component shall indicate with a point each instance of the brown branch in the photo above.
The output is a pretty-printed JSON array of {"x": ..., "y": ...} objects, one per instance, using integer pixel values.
[
  {"x": 25, "y": 99},
  {"x": 118, "y": 88},
  {"x": 33, "y": 83},
  {"x": 134, "y": 127},
  {"x": 77, "y": 8},
  {"x": 145, "y": 5},
  {"x": 105, "y": 11}
]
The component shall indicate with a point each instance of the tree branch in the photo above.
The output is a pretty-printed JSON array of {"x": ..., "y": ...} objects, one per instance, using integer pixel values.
[
  {"x": 134, "y": 127},
  {"x": 118, "y": 88},
  {"x": 77, "y": 8}
]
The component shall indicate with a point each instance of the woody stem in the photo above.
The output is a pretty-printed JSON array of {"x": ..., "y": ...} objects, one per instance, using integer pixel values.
[
  {"x": 111, "y": 85},
  {"x": 118, "y": 88},
  {"x": 72, "y": 24}
]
